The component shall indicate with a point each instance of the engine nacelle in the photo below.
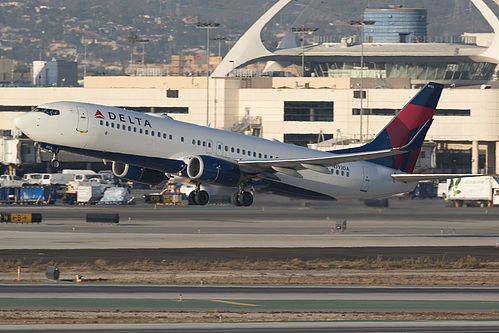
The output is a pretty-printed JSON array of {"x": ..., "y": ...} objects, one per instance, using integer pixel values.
[
  {"x": 214, "y": 170},
  {"x": 137, "y": 174}
]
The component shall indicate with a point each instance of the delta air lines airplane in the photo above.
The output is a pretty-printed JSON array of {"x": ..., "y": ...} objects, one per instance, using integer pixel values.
[{"x": 148, "y": 147}]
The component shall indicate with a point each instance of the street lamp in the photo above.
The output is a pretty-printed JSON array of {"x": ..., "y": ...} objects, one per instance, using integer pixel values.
[
  {"x": 302, "y": 30},
  {"x": 361, "y": 23},
  {"x": 207, "y": 26}
]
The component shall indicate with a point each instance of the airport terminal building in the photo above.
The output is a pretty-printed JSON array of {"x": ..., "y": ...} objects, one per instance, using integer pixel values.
[{"x": 323, "y": 104}]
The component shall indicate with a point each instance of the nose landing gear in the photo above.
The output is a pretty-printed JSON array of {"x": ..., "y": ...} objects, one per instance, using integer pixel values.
[{"x": 54, "y": 162}]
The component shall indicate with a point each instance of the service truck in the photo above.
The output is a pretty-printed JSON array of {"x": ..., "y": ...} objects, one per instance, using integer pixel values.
[
  {"x": 11, "y": 181},
  {"x": 480, "y": 191}
]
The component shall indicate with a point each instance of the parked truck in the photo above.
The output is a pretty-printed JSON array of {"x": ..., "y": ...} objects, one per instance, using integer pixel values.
[
  {"x": 482, "y": 191},
  {"x": 11, "y": 181}
]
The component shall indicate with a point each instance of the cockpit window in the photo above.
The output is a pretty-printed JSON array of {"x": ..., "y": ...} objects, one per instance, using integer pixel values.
[{"x": 50, "y": 112}]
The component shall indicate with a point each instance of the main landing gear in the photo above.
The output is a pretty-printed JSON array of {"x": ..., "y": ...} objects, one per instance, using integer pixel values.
[
  {"x": 242, "y": 198},
  {"x": 54, "y": 162},
  {"x": 198, "y": 196}
]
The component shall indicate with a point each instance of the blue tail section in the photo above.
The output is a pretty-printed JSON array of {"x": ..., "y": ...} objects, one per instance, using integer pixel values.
[{"x": 402, "y": 129}]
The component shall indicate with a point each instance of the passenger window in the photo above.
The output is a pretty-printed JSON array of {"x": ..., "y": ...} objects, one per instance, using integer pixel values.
[
  {"x": 259, "y": 155},
  {"x": 135, "y": 129},
  {"x": 152, "y": 133},
  {"x": 238, "y": 150},
  {"x": 231, "y": 149},
  {"x": 159, "y": 134},
  {"x": 204, "y": 143},
  {"x": 129, "y": 128},
  {"x": 193, "y": 141},
  {"x": 112, "y": 125},
  {"x": 107, "y": 123},
  {"x": 244, "y": 152},
  {"x": 164, "y": 135},
  {"x": 348, "y": 174},
  {"x": 182, "y": 139},
  {"x": 337, "y": 171},
  {"x": 226, "y": 148},
  {"x": 117, "y": 126},
  {"x": 146, "y": 132},
  {"x": 101, "y": 122},
  {"x": 249, "y": 153},
  {"x": 265, "y": 156},
  {"x": 199, "y": 142},
  {"x": 209, "y": 144},
  {"x": 171, "y": 137},
  {"x": 342, "y": 172},
  {"x": 140, "y": 130}
]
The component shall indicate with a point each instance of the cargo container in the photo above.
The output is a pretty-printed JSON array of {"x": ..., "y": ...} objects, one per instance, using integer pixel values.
[
  {"x": 88, "y": 194},
  {"x": 36, "y": 195}
]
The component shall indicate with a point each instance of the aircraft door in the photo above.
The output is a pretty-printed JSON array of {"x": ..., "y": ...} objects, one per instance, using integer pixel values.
[
  {"x": 209, "y": 146},
  {"x": 82, "y": 125},
  {"x": 220, "y": 148},
  {"x": 366, "y": 179}
]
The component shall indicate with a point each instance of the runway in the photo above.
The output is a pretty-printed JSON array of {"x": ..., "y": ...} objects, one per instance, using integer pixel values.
[
  {"x": 276, "y": 327},
  {"x": 297, "y": 300},
  {"x": 279, "y": 223},
  {"x": 277, "y": 229},
  {"x": 253, "y": 293}
]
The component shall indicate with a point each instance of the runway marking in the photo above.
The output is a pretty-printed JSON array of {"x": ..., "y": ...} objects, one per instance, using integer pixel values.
[{"x": 227, "y": 302}]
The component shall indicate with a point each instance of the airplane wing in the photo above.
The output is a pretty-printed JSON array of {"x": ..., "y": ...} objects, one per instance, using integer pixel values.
[
  {"x": 430, "y": 176},
  {"x": 320, "y": 164}
]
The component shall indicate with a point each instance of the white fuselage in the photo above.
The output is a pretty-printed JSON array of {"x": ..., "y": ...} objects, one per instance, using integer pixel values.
[{"x": 137, "y": 138}]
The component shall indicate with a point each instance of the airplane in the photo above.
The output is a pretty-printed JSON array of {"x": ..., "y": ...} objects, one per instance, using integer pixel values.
[{"x": 149, "y": 147}]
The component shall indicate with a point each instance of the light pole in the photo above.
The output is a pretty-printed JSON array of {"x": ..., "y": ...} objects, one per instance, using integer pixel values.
[
  {"x": 361, "y": 23},
  {"x": 220, "y": 39},
  {"x": 143, "y": 41},
  {"x": 302, "y": 30},
  {"x": 207, "y": 26}
]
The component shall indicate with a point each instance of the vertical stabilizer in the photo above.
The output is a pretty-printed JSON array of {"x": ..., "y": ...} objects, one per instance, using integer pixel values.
[{"x": 403, "y": 128}]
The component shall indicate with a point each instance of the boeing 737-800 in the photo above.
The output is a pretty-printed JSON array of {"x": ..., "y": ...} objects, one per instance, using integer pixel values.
[{"x": 147, "y": 147}]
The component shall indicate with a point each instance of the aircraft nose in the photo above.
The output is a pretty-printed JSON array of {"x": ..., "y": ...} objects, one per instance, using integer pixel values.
[{"x": 25, "y": 122}]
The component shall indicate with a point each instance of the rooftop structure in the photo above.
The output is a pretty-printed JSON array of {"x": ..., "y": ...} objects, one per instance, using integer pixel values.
[
  {"x": 395, "y": 25},
  {"x": 447, "y": 63}
]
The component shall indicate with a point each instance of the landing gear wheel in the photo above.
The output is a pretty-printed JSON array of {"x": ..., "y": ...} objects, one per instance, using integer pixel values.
[
  {"x": 55, "y": 164},
  {"x": 202, "y": 198},
  {"x": 245, "y": 199},
  {"x": 235, "y": 199},
  {"x": 192, "y": 198}
]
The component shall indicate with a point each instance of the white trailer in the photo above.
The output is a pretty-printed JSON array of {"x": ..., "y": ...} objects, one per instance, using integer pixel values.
[{"x": 480, "y": 191}]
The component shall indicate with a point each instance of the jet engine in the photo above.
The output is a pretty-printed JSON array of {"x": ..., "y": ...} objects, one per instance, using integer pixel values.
[
  {"x": 137, "y": 174},
  {"x": 214, "y": 170}
]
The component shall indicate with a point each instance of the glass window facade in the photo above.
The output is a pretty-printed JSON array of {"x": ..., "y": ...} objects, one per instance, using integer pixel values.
[
  {"x": 413, "y": 70},
  {"x": 392, "y": 112},
  {"x": 305, "y": 139},
  {"x": 308, "y": 111}
]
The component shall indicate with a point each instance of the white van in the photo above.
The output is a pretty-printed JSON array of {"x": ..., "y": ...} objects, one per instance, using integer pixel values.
[
  {"x": 56, "y": 179},
  {"x": 33, "y": 178}
]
